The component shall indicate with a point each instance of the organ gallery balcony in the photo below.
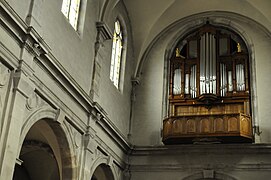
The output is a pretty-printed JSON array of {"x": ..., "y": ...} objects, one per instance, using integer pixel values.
[{"x": 227, "y": 128}]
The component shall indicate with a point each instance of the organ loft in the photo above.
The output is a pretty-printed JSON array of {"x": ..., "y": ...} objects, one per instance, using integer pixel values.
[{"x": 209, "y": 99}]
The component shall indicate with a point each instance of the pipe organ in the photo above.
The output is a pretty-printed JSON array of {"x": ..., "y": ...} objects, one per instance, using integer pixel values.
[{"x": 209, "y": 97}]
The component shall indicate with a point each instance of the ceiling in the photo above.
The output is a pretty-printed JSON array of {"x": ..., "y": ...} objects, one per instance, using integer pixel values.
[{"x": 150, "y": 17}]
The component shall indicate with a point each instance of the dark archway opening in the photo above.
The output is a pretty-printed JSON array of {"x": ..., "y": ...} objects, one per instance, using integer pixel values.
[
  {"x": 102, "y": 172},
  {"x": 44, "y": 153}
]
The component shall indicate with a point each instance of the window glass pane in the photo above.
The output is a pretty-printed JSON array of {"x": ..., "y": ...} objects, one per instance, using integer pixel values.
[
  {"x": 65, "y": 7},
  {"x": 116, "y": 55},
  {"x": 70, "y": 8}
]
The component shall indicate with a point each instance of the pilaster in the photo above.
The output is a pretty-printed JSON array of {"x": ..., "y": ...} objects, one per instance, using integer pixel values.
[{"x": 12, "y": 123}]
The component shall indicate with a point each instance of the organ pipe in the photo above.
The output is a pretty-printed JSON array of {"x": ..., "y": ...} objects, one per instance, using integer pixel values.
[
  {"x": 230, "y": 80},
  {"x": 186, "y": 90},
  {"x": 223, "y": 79},
  {"x": 208, "y": 64},
  {"x": 240, "y": 77},
  {"x": 177, "y": 81},
  {"x": 193, "y": 81},
  {"x": 214, "y": 64}
]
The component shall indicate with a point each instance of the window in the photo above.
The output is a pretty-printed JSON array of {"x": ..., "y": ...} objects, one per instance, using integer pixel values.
[
  {"x": 70, "y": 8},
  {"x": 209, "y": 97},
  {"x": 115, "y": 68}
]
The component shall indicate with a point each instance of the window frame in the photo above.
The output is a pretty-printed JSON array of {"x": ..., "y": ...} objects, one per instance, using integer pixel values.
[
  {"x": 117, "y": 55},
  {"x": 66, "y": 9}
]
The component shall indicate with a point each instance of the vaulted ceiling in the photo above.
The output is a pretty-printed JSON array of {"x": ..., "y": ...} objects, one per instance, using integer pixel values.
[{"x": 151, "y": 17}]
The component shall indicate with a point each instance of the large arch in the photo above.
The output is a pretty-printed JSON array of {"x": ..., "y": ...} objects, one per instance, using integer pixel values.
[
  {"x": 102, "y": 172},
  {"x": 43, "y": 137},
  {"x": 211, "y": 176},
  {"x": 177, "y": 30},
  {"x": 230, "y": 20},
  {"x": 153, "y": 67},
  {"x": 101, "y": 165}
]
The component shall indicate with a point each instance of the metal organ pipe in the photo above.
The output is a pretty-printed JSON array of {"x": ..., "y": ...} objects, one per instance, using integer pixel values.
[
  {"x": 186, "y": 90},
  {"x": 204, "y": 62},
  {"x": 223, "y": 79},
  {"x": 211, "y": 63},
  {"x": 240, "y": 77},
  {"x": 193, "y": 81},
  {"x": 207, "y": 64},
  {"x": 202, "y": 65},
  {"x": 214, "y": 65},
  {"x": 230, "y": 80},
  {"x": 177, "y": 81}
]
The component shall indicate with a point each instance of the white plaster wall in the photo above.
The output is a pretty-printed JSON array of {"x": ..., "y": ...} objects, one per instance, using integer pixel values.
[
  {"x": 74, "y": 50},
  {"x": 262, "y": 44},
  {"x": 149, "y": 97},
  {"x": 21, "y": 7},
  {"x": 116, "y": 102}
]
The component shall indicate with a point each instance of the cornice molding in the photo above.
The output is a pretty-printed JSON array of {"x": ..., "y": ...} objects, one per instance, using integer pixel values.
[
  {"x": 186, "y": 167},
  {"x": 172, "y": 150},
  {"x": 104, "y": 30}
]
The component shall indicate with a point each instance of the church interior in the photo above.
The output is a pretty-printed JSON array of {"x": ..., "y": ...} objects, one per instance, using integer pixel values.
[{"x": 135, "y": 90}]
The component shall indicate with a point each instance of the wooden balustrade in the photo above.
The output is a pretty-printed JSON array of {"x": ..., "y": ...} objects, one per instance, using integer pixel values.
[{"x": 224, "y": 128}]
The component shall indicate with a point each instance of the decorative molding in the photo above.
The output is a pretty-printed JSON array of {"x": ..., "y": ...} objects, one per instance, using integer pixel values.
[
  {"x": 200, "y": 167},
  {"x": 4, "y": 75},
  {"x": 19, "y": 161},
  {"x": 104, "y": 30},
  {"x": 32, "y": 101},
  {"x": 173, "y": 150}
]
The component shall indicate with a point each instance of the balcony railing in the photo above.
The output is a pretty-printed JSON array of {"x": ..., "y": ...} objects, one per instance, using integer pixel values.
[{"x": 220, "y": 128}]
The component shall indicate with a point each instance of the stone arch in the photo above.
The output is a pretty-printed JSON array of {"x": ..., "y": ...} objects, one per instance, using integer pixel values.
[
  {"x": 181, "y": 27},
  {"x": 40, "y": 113},
  {"x": 216, "y": 176},
  {"x": 41, "y": 128},
  {"x": 103, "y": 162}
]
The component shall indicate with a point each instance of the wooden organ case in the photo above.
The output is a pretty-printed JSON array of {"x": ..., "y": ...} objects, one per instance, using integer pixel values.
[{"x": 209, "y": 98}]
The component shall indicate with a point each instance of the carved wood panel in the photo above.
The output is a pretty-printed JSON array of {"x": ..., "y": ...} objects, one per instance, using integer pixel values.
[{"x": 204, "y": 126}]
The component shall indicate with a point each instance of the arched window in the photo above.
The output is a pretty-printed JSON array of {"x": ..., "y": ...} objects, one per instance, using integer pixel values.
[
  {"x": 209, "y": 97},
  {"x": 71, "y": 9},
  {"x": 116, "y": 57}
]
